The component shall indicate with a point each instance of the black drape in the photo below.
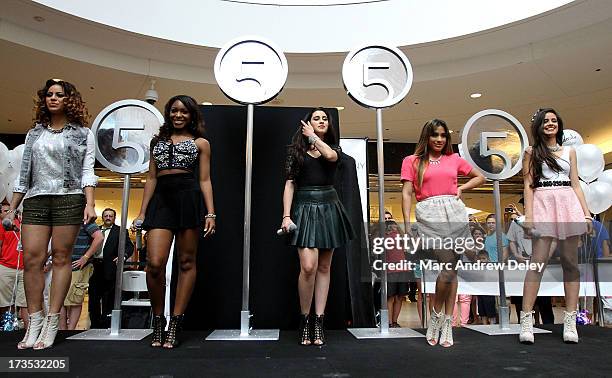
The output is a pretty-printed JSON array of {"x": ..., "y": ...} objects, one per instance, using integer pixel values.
[
  {"x": 217, "y": 298},
  {"x": 358, "y": 268}
]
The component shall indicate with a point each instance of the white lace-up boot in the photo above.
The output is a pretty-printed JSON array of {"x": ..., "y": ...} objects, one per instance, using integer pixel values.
[
  {"x": 48, "y": 333},
  {"x": 570, "y": 334},
  {"x": 526, "y": 335},
  {"x": 433, "y": 329},
  {"x": 35, "y": 324},
  {"x": 446, "y": 338}
]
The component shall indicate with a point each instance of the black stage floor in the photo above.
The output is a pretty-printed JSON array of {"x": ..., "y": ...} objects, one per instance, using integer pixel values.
[{"x": 473, "y": 354}]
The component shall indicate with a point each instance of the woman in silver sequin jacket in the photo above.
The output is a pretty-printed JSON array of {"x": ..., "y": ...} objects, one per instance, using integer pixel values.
[{"x": 56, "y": 183}]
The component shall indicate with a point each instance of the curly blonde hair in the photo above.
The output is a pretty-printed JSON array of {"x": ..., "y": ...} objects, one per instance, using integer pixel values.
[{"x": 74, "y": 106}]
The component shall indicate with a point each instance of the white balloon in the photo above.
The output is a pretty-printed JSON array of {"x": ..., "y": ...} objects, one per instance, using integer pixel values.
[
  {"x": 590, "y": 162},
  {"x": 3, "y": 157},
  {"x": 600, "y": 197},
  {"x": 14, "y": 159},
  {"x": 571, "y": 138},
  {"x": 606, "y": 176},
  {"x": 9, "y": 174},
  {"x": 20, "y": 149}
]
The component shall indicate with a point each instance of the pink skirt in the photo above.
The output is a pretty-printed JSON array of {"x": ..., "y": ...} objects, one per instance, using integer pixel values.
[{"x": 557, "y": 212}]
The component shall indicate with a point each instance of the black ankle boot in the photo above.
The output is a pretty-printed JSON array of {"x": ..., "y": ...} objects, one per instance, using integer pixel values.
[
  {"x": 176, "y": 323},
  {"x": 159, "y": 325},
  {"x": 304, "y": 331},
  {"x": 319, "y": 334}
]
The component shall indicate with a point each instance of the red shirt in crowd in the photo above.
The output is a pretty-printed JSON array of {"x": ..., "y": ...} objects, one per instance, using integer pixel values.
[
  {"x": 9, "y": 254},
  {"x": 395, "y": 255}
]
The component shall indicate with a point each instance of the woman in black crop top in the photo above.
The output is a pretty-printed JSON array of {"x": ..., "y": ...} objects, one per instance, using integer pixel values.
[
  {"x": 172, "y": 206},
  {"x": 311, "y": 203}
]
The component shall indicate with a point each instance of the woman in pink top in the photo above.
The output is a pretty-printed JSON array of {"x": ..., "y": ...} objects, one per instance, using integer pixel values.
[{"x": 431, "y": 174}]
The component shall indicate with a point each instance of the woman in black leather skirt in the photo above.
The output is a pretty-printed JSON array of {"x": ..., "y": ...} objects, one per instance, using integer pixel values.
[{"x": 311, "y": 203}]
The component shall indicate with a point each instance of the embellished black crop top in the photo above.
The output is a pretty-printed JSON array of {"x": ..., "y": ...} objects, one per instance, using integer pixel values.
[{"x": 183, "y": 155}]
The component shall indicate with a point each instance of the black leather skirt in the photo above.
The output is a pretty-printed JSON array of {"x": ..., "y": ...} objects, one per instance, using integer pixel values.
[{"x": 321, "y": 219}]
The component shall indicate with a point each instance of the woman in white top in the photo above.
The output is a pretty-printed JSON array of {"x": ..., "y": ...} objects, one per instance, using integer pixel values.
[
  {"x": 555, "y": 208},
  {"x": 56, "y": 183}
]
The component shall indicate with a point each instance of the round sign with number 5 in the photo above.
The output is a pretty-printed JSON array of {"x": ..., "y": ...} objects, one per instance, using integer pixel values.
[
  {"x": 123, "y": 132},
  {"x": 251, "y": 70},
  {"x": 494, "y": 142},
  {"x": 377, "y": 76}
]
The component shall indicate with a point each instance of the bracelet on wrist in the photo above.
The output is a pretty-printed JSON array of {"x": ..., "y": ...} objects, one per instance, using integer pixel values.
[
  {"x": 211, "y": 215},
  {"x": 313, "y": 139},
  {"x": 287, "y": 216}
]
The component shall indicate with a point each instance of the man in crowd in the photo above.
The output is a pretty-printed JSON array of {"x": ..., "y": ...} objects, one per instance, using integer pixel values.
[
  {"x": 102, "y": 282},
  {"x": 388, "y": 216},
  {"x": 88, "y": 242},
  {"x": 491, "y": 242}
]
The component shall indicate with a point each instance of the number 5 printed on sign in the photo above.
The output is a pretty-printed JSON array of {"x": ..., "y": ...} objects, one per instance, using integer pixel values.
[
  {"x": 367, "y": 81},
  {"x": 511, "y": 133},
  {"x": 368, "y": 69},
  {"x": 485, "y": 151},
  {"x": 128, "y": 121}
]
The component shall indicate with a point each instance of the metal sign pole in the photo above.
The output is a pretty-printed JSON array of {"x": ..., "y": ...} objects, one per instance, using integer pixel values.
[
  {"x": 384, "y": 311},
  {"x": 504, "y": 313},
  {"x": 127, "y": 126},
  {"x": 504, "y": 126},
  {"x": 245, "y": 314},
  {"x": 378, "y": 76},
  {"x": 116, "y": 314},
  {"x": 239, "y": 64}
]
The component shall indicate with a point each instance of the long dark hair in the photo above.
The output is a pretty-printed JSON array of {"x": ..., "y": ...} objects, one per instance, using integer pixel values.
[
  {"x": 540, "y": 152},
  {"x": 422, "y": 148},
  {"x": 196, "y": 124},
  {"x": 299, "y": 143},
  {"x": 74, "y": 106}
]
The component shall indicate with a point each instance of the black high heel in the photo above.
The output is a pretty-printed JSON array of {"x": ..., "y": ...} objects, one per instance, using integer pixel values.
[
  {"x": 319, "y": 334},
  {"x": 304, "y": 332},
  {"x": 159, "y": 324},
  {"x": 176, "y": 323}
]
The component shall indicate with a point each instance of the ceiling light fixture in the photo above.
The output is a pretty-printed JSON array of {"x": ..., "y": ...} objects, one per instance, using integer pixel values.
[
  {"x": 476, "y": 95},
  {"x": 207, "y": 103}
]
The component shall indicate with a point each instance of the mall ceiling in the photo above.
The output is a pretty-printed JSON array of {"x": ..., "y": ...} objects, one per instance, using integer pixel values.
[{"x": 562, "y": 58}]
